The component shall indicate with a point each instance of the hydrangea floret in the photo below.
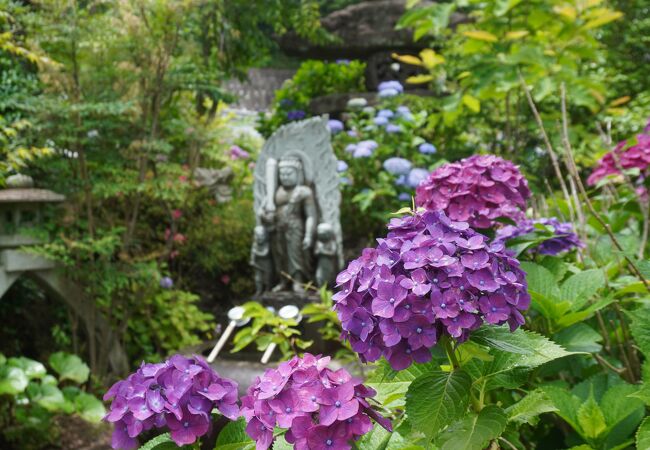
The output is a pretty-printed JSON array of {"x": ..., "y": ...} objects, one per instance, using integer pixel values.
[
  {"x": 429, "y": 277},
  {"x": 320, "y": 408},
  {"x": 397, "y": 166},
  {"x": 178, "y": 394},
  {"x": 564, "y": 238},
  {"x": 477, "y": 190}
]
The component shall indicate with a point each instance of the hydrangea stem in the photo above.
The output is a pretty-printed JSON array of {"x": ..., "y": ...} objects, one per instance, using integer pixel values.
[{"x": 451, "y": 354}]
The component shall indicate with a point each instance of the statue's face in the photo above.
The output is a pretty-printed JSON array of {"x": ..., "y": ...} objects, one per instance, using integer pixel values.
[{"x": 288, "y": 177}]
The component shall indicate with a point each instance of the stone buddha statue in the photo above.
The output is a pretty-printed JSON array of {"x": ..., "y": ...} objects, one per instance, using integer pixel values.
[{"x": 290, "y": 215}]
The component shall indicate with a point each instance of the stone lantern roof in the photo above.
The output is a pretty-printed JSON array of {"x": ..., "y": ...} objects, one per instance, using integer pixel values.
[{"x": 29, "y": 195}]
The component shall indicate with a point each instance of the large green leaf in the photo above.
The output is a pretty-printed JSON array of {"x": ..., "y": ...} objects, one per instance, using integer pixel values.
[
  {"x": 89, "y": 407},
  {"x": 579, "y": 337},
  {"x": 436, "y": 399},
  {"x": 475, "y": 431},
  {"x": 12, "y": 380},
  {"x": 529, "y": 349},
  {"x": 567, "y": 404},
  {"x": 640, "y": 328},
  {"x": 579, "y": 288},
  {"x": 69, "y": 367},
  {"x": 234, "y": 437},
  {"x": 48, "y": 396},
  {"x": 380, "y": 439},
  {"x": 33, "y": 369},
  {"x": 530, "y": 407},
  {"x": 162, "y": 442},
  {"x": 391, "y": 386},
  {"x": 643, "y": 434}
]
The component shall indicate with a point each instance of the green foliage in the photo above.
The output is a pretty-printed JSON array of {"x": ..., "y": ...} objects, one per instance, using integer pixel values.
[
  {"x": 234, "y": 437},
  {"x": 30, "y": 397},
  {"x": 312, "y": 79}
]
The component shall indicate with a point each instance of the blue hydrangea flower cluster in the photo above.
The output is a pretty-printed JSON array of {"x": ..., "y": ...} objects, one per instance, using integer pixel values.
[
  {"x": 179, "y": 394},
  {"x": 322, "y": 409},
  {"x": 335, "y": 126},
  {"x": 397, "y": 166},
  {"x": 429, "y": 277},
  {"x": 362, "y": 149},
  {"x": 564, "y": 239},
  {"x": 390, "y": 88}
]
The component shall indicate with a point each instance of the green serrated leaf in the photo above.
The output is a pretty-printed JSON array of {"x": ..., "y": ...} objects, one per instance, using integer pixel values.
[
  {"x": 392, "y": 386},
  {"x": 579, "y": 337},
  {"x": 530, "y": 407},
  {"x": 234, "y": 437},
  {"x": 436, "y": 399},
  {"x": 640, "y": 328},
  {"x": 643, "y": 434},
  {"x": 591, "y": 419},
  {"x": 162, "y": 442},
  {"x": 48, "y": 396},
  {"x": 531, "y": 348},
  {"x": 579, "y": 288},
  {"x": 475, "y": 431},
  {"x": 69, "y": 367}
]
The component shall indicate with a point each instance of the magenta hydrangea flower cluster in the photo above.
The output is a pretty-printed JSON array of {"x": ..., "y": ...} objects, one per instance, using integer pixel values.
[
  {"x": 429, "y": 277},
  {"x": 564, "y": 238},
  {"x": 179, "y": 394},
  {"x": 477, "y": 190},
  {"x": 322, "y": 409},
  {"x": 634, "y": 157}
]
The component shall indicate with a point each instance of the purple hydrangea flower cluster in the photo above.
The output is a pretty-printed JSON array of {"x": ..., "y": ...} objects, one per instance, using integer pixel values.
[
  {"x": 564, "y": 238},
  {"x": 166, "y": 283},
  {"x": 179, "y": 394},
  {"x": 636, "y": 156},
  {"x": 428, "y": 278},
  {"x": 236, "y": 152},
  {"x": 477, "y": 190},
  {"x": 321, "y": 408},
  {"x": 296, "y": 114}
]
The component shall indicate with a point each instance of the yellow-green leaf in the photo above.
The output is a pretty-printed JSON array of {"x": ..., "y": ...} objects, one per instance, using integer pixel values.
[
  {"x": 620, "y": 101},
  {"x": 419, "y": 79},
  {"x": 464, "y": 75},
  {"x": 604, "y": 17},
  {"x": 566, "y": 11},
  {"x": 408, "y": 59},
  {"x": 518, "y": 34},
  {"x": 480, "y": 35},
  {"x": 430, "y": 58},
  {"x": 472, "y": 103}
]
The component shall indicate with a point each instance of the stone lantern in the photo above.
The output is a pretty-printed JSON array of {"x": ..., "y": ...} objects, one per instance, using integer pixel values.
[{"x": 21, "y": 209}]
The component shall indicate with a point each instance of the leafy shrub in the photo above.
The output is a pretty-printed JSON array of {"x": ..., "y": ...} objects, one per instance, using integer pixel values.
[
  {"x": 30, "y": 398},
  {"x": 313, "y": 79}
]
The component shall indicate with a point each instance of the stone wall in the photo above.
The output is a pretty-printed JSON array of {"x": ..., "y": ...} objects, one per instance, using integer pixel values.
[{"x": 257, "y": 92}]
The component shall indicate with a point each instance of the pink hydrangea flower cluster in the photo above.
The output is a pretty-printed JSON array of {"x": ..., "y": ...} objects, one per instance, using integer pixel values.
[
  {"x": 321, "y": 408},
  {"x": 634, "y": 157},
  {"x": 477, "y": 190},
  {"x": 179, "y": 394},
  {"x": 429, "y": 277}
]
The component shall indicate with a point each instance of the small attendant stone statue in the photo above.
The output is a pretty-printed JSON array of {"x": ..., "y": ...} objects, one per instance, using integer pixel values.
[
  {"x": 326, "y": 254},
  {"x": 261, "y": 260}
]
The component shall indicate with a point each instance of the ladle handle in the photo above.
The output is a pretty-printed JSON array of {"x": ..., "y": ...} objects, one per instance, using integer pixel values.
[
  {"x": 222, "y": 341},
  {"x": 268, "y": 352}
]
